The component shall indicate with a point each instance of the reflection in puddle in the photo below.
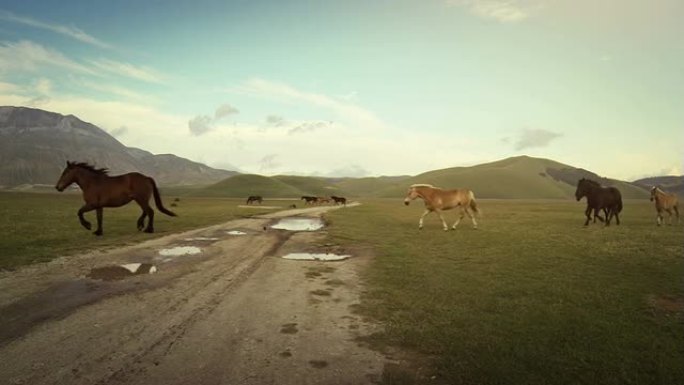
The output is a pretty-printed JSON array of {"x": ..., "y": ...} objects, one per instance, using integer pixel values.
[
  {"x": 235, "y": 232},
  {"x": 201, "y": 239},
  {"x": 299, "y": 224},
  {"x": 316, "y": 257},
  {"x": 180, "y": 250},
  {"x": 115, "y": 273}
]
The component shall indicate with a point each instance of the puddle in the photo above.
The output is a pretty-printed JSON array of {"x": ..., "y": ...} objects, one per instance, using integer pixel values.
[
  {"x": 180, "y": 250},
  {"x": 316, "y": 257},
  {"x": 115, "y": 273},
  {"x": 235, "y": 232},
  {"x": 299, "y": 224},
  {"x": 201, "y": 239}
]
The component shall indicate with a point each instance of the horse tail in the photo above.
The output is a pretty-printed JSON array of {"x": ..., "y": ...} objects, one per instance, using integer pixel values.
[
  {"x": 619, "y": 201},
  {"x": 473, "y": 204},
  {"x": 158, "y": 201}
]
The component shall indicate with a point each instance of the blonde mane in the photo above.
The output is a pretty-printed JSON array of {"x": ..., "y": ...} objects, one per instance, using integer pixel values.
[{"x": 422, "y": 185}]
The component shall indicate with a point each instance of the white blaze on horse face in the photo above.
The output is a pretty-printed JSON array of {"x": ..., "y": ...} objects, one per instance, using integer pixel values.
[{"x": 410, "y": 195}]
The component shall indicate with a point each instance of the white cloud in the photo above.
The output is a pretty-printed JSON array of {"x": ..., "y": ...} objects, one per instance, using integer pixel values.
[
  {"x": 504, "y": 11},
  {"x": 344, "y": 109},
  {"x": 128, "y": 70},
  {"x": 29, "y": 56},
  {"x": 305, "y": 127},
  {"x": 65, "y": 30},
  {"x": 269, "y": 162},
  {"x": 276, "y": 121},
  {"x": 43, "y": 86},
  {"x": 200, "y": 124},
  {"x": 224, "y": 111}
]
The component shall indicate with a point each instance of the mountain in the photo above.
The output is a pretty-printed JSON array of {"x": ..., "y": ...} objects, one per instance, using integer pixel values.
[
  {"x": 35, "y": 144},
  {"x": 521, "y": 177},
  {"x": 673, "y": 184}
]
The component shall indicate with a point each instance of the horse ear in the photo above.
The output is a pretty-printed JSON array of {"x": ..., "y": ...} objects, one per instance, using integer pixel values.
[{"x": 68, "y": 163}]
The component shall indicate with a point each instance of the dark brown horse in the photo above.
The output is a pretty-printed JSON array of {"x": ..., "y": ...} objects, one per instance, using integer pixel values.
[
  {"x": 308, "y": 200},
  {"x": 599, "y": 198},
  {"x": 339, "y": 200},
  {"x": 101, "y": 190},
  {"x": 254, "y": 199}
]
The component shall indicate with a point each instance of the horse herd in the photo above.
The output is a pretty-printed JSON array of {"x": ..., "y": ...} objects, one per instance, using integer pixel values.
[{"x": 101, "y": 190}]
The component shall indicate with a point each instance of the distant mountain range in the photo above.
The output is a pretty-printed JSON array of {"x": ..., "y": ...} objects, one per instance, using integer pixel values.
[{"x": 35, "y": 144}]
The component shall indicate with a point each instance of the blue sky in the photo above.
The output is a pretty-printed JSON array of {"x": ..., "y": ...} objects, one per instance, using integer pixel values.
[{"x": 361, "y": 88}]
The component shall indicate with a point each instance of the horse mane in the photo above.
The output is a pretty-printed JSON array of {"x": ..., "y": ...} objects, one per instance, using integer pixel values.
[
  {"x": 592, "y": 182},
  {"x": 90, "y": 167},
  {"x": 422, "y": 185}
]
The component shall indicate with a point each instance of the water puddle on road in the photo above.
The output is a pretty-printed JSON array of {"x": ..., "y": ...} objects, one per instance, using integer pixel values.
[
  {"x": 207, "y": 239},
  {"x": 316, "y": 257},
  {"x": 236, "y": 232},
  {"x": 299, "y": 224},
  {"x": 180, "y": 250},
  {"x": 115, "y": 273}
]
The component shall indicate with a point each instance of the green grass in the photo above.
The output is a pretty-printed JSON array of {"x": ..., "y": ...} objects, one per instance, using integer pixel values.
[
  {"x": 532, "y": 297},
  {"x": 40, "y": 227}
]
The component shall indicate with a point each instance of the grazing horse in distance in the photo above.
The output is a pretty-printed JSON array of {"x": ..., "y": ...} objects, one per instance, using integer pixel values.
[
  {"x": 599, "y": 198},
  {"x": 308, "y": 200},
  {"x": 254, "y": 198},
  {"x": 339, "y": 200},
  {"x": 437, "y": 199},
  {"x": 664, "y": 202},
  {"x": 101, "y": 190}
]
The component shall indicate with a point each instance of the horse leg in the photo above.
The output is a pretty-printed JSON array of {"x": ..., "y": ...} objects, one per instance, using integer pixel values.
[
  {"x": 444, "y": 224},
  {"x": 141, "y": 220},
  {"x": 98, "y": 213},
  {"x": 472, "y": 217},
  {"x": 420, "y": 222},
  {"x": 84, "y": 209},
  {"x": 659, "y": 217},
  {"x": 587, "y": 213},
  {"x": 676, "y": 210},
  {"x": 150, "y": 222},
  {"x": 617, "y": 217},
  {"x": 459, "y": 219},
  {"x": 669, "y": 216},
  {"x": 609, "y": 215}
]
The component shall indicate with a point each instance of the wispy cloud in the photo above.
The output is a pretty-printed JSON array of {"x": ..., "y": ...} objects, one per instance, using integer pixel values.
[
  {"x": 225, "y": 111},
  {"x": 305, "y": 127},
  {"x": 276, "y": 121},
  {"x": 29, "y": 56},
  {"x": 128, "y": 70},
  {"x": 533, "y": 137},
  {"x": 66, "y": 30},
  {"x": 269, "y": 162},
  {"x": 504, "y": 11},
  {"x": 287, "y": 93}
]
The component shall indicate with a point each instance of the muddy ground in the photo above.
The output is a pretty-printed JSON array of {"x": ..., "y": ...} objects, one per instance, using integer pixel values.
[{"x": 234, "y": 313}]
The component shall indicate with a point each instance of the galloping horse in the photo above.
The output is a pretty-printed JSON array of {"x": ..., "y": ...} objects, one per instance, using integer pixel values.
[
  {"x": 101, "y": 190},
  {"x": 436, "y": 200},
  {"x": 308, "y": 200},
  {"x": 254, "y": 198},
  {"x": 664, "y": 202},
  {"x": 339, "y": 200},
  {"x": 607, "y": 199}
]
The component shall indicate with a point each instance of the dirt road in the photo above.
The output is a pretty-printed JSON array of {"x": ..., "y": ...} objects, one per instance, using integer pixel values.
[{"x": 234, "y": 312}]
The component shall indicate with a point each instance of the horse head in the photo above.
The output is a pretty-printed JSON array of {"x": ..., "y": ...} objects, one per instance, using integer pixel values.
[
  {"x": 411, "y": 195},
  {"x": 68, "y": 176},
  {"x": 653, "y": 192}
]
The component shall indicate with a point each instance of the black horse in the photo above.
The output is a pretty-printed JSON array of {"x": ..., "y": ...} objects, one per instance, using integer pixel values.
[
  {"x": 339, "y": 200},
  {"x": 309, "y": 200},
  {"x": 607, "y": 199},
  {"x": 254, "y": 198}
]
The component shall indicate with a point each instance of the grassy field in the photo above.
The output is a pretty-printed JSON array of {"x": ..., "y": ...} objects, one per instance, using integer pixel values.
[
  {"x": 532, "y": 297},
  {"x": 40, "y": 227}
]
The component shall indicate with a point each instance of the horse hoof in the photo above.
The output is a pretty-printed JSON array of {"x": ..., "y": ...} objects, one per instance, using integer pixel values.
[
  {"x": 87, "y": 225},
  {"x": 149, "y": 231},
  {"x": 98, "y": 232}
]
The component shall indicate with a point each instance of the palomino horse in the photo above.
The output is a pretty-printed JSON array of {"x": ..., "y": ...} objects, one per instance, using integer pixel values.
[
  {"x": 254, "y": 199},
  {"x": 101, "y": 190},
  {"x": 436, "y": 200},
  {"x": 607, "y": 199},
  {"x": 664, "y": 202}
]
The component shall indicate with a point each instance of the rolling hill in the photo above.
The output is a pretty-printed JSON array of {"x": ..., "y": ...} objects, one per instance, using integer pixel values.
[
  {"x": 672, "y": 184},
  {"x": 34, "y": 145},
  {"x": 521, "y": 177}
]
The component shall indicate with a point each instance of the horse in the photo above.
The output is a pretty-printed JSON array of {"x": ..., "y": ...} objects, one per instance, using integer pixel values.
[
  {"x": 322, "y": 200},
  {"x": 101, "y": 190},
  {"x": 437, "y": 199},
  {"x": 664, "y": 202},
  {"x": 308, "y": 200},
  {"x": 608, "y": 199},
  {"x": 339, "y": 200},
  {"x": 254, "y": 198}
]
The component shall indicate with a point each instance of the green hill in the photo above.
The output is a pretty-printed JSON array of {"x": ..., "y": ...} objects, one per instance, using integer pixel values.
[{"x": 520, "y": 177}]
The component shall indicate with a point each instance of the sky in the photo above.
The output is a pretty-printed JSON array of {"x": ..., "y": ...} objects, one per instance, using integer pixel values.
[{"x": 361, "y": 88}]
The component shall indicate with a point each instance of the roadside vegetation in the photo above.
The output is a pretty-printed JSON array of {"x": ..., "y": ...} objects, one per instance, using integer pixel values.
[{"x": 531, "y": 297}]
